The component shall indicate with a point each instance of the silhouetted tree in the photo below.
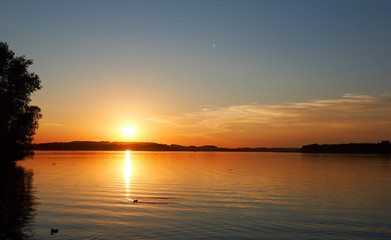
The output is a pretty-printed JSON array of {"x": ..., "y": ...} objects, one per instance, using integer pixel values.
[{"x": 18, "y": 120}]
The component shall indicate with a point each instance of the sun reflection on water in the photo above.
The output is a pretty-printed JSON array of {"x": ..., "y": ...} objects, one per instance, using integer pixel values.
[{"x": 127, "y": 173}]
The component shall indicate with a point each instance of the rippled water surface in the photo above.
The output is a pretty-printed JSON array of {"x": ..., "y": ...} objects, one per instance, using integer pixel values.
[{"x": 197, "y": 195}]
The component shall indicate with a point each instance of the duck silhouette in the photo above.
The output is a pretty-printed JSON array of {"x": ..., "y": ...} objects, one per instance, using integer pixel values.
[
  {"x": 135, "y": 201},
  {"x": 55, "y": 230}
]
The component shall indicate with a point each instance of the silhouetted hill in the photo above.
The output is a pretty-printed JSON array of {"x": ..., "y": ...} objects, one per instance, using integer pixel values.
[
  {"x": 371, "y": 148},
  {"x": 144, "y": 146}
]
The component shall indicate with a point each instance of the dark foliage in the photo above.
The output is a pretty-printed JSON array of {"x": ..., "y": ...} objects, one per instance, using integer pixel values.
[{"x": 18, "y": 120}]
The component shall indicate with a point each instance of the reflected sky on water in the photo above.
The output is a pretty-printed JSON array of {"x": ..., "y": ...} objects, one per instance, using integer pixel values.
[{"x": 211, "y": 195}]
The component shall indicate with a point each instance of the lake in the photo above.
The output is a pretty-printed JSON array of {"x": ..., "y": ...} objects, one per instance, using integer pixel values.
[{"x": 199, "y": 195}]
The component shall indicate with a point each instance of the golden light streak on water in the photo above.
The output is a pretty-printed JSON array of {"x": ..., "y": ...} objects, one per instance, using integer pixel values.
[{"x": 127, "y": 174}]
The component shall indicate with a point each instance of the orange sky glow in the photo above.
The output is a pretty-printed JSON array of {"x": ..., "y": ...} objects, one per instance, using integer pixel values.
[
  {"x": 224, "y": 73},
  {"x": 351, "y": 118}
]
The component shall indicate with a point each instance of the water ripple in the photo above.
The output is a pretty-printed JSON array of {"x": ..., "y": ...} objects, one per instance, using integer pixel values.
[{"x": 91, "y": 195}]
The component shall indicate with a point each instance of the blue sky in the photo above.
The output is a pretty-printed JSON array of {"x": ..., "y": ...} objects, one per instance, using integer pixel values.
[{"x": 164, "y": 59}]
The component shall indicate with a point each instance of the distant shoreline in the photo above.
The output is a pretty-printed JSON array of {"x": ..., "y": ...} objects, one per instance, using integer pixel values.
[
  {"x": 383, "y": 147},
  {"x": 144, "y": 146}
]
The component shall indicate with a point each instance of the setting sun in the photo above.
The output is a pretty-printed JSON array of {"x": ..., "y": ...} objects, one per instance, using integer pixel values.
[{"x": 128, "y": 131}]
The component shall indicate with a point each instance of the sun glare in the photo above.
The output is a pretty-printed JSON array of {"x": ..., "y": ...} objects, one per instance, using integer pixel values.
[{"x": 128, "y": 131}]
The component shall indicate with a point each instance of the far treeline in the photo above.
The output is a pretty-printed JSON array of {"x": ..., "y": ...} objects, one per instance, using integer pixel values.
[
  {"x": 145, "y": 146},
  {"x": 383, "y": 147}
]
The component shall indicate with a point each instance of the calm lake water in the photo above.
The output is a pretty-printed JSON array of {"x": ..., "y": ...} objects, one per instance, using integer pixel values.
[{"x": 203, "y": 195}]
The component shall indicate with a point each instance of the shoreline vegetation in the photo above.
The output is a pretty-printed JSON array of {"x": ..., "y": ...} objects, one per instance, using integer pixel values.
[
  {"x": 383, "y": 147},
  {"x": 18, "y": 119}
]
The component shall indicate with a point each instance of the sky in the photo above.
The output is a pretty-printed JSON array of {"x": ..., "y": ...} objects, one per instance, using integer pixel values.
[{"x": 227, "y": 73}]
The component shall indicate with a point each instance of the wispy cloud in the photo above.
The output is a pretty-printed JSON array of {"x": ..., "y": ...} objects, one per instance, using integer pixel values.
[
  {"x": 348, "y": 109},
  {"x": 351, "y": 111},
  {"x": 52, "y": 124},
  {"x": 356, "y": 96},
  {"x": 165, "y": 120}
]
